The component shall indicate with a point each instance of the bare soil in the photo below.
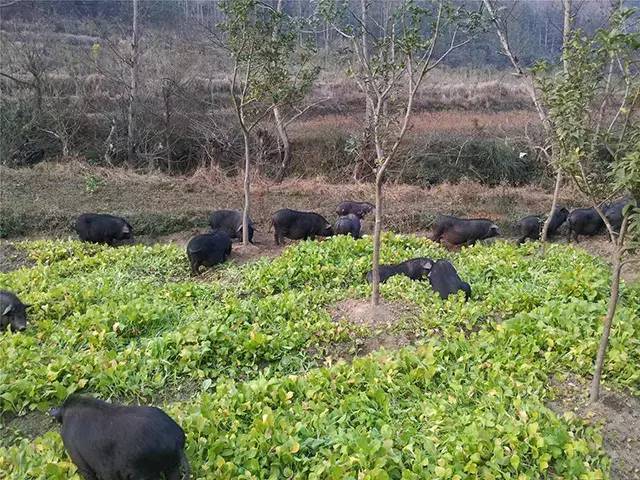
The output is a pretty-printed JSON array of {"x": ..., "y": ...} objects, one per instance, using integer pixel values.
[
  {"x": 617, "y": 413},
  {"x": 384, "y": 326},
  {"x": 11, "y": 258},
  {"x": 30, "y": 426},
  {"x": 48, "y": 197},
  {"x": 361, "y": 312}
]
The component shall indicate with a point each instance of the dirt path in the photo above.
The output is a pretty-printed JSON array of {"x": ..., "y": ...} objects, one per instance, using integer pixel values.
[{"x": 619, "y": 415}]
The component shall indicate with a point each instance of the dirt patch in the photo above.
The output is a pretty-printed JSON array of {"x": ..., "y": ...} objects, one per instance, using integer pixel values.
[
  {"x": 263, "y": 246},
  {"x": 362, "y": 313},
  {"x": 387, "y": 326},
  {"x": 619, "y": 415},
  {"x": 11, "y": 258},
  {"x": 30, "y": 426}
]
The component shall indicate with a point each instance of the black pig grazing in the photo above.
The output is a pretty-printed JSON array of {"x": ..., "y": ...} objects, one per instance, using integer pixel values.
[
  {"x": 614, "y": 211},
  {"x": 107, "y": 441},
  {"x": 531, "y": 226},
  {"x": 584, "y": 221},
  {"x": 231, "y": 222},
  {"x": 299, "y": 225},
  {"x": 12, "y": 312},
  {"x": 208, "y": 249},
  {"x": 103, "y": 228},
  {"x": 462, "y": 231},
  {"x": 348, "y": 225},
  {"x": 445, "y": 280},
  {"x": 559, "y": 216},
  {"x": 415, "y": 269},
  {"x": 360, "y": 209}
]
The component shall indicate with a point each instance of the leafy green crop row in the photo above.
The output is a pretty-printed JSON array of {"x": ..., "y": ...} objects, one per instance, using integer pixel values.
[
  {"x": 467, "y": 402},
  {"x": 114, "y": 322}
]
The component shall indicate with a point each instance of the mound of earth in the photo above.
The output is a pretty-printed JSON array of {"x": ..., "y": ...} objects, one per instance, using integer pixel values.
[{"x": 619, "y": 415}]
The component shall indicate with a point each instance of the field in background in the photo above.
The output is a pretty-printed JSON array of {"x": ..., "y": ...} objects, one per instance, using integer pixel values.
[{"x": 469, "y": 123}]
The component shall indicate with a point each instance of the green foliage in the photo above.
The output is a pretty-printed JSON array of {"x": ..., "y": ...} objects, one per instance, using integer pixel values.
[
  {"x": 263, "y": 44},
  {"x": 468, "y": 401},
  {"x": 93, "y": 183},
  {"x": 589, "y": 104}
]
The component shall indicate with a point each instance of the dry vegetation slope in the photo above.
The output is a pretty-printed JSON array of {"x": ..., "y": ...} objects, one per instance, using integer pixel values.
[
  {"x": 48, "y": 197},
  {"x": 43, "y": 201}
]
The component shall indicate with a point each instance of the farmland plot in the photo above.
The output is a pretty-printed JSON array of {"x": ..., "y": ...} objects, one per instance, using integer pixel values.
[{"x": 245, "y": 359}]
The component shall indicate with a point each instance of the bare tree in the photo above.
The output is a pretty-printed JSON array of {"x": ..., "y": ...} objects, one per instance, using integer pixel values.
[
  {"x": 33, "y": 64},
  {"x": 520, "y": 71},
  {"x": 262, "y": 42},
  {"x": 133, "y": 87},
  {"x": 63, "y": 117},
  {"x": 390, "y": 77},
  {"x": 286, "y": 110}
]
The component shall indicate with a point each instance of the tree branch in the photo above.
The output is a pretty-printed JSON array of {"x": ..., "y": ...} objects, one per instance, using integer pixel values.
[
  {"x": 303, "y": 111},
  {"x": 17, "y": 80}
]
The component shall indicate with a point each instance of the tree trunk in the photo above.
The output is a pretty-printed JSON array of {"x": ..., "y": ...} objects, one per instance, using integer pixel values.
[
  {"x": 286, "y": 145},
  {"x": 377, "y": 230},
  {"x": 566, "y": 31},
  {"x": 133, "y": 88},
  {"x": 280, "y": 126},
  {"x": 594, "y": 392},
  {"x": 362, "y": 160},
  {"x": 166, "y": 94},
  {"x": 39, "y": 94},
  {"x": 109, "y": 144},
  {"x": 247, "y": 189},
  {"x": 65, "y": 146},
  {"x": 554, "y": 203}
]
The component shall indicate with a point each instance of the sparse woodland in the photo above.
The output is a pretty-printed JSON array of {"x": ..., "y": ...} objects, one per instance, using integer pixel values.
[{"x": 66, "y": 92}]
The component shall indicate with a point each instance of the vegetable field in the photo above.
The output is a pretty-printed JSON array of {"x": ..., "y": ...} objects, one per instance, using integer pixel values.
[{"x": 245, "y": 359}]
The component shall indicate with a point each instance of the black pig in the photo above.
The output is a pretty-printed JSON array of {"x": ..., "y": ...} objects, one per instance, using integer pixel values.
[
  {"x": 360, "y": 209},
  {"x": 103, "y": 228},
  {"x": 584, "y": 221},
  {"x": 12, "y": 312},
  {"x": 462, "y": 231},
  {"x": 415, "y": 269},
  {"x": 348, "y": 225},
  {"x": 107, "y": 441},
  {"x": 231, "y": 222},
  {"x": 208, "y": 249},
  {"x": 445, "y": 280},
  {"x": 299, "y": 225},
  {"x": 531, "y": 226}
]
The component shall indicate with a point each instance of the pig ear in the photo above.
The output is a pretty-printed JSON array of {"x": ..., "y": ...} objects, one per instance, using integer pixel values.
[
  {"x": 56, "y": 413},
  {"x": 7, "y": 309},
  {"x": 427, "y": 264}
]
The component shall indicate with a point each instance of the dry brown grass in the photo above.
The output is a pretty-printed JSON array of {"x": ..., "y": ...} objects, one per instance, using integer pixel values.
[
  {"x": 61, "y": 187},
  {"x": 453, "y": 121},
  {"x": 44, "y": 200}
]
